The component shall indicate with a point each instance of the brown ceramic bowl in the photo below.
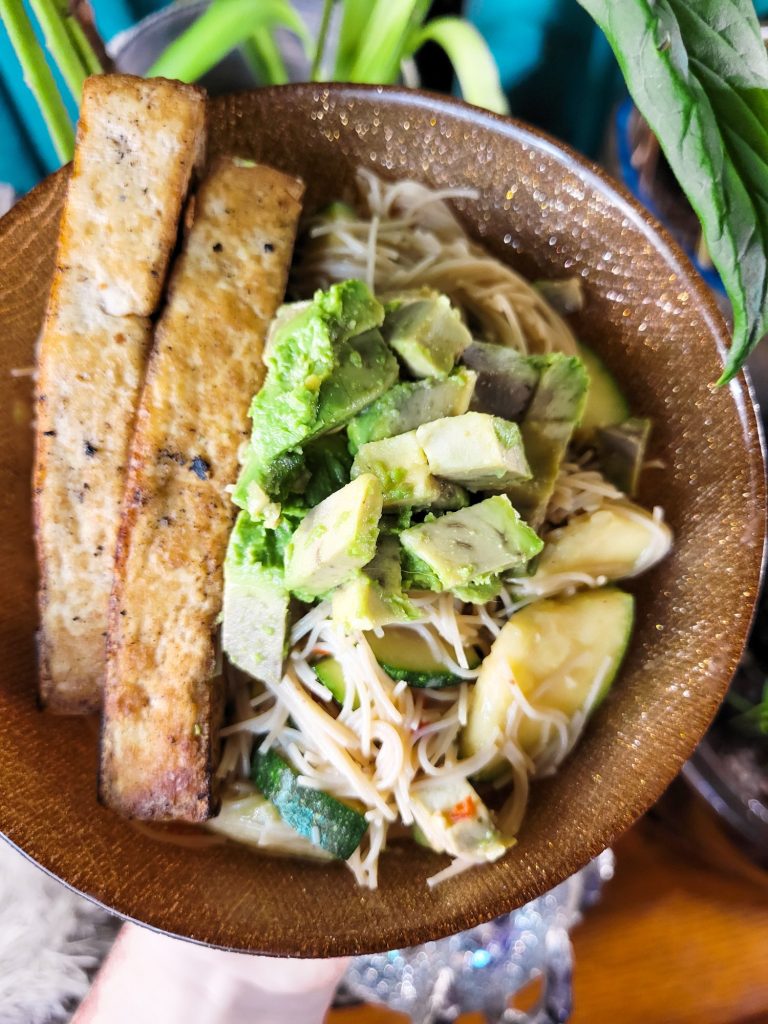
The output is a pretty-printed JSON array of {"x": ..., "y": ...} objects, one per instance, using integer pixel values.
[{"x": 657, "y": 328}]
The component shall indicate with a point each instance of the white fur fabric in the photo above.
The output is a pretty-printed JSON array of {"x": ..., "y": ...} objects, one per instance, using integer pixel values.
[{"x": 51, "y": 941}]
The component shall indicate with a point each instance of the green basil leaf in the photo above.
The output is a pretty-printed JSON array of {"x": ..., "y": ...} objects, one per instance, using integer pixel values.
[{"x": 698, "y": 72}]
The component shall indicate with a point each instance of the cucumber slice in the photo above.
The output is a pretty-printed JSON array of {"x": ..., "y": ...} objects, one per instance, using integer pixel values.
[
  {"x": 329, "y": 823},
  {"x": 606, "y": 404},
  {"x": 617, "y": 541},
  {"x": 564, "y": 643},
  {"x": 405, "y": 654},
  {"x": 253, "y": 820}
]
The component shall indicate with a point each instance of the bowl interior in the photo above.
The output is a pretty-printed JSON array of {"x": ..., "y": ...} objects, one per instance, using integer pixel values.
[{"x": 651, "y": 320}]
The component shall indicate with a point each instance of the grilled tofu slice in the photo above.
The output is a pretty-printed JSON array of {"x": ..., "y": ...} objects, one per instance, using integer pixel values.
[
  {"x": 137, "y": 145},
  {"x": 162, "y": 704}
]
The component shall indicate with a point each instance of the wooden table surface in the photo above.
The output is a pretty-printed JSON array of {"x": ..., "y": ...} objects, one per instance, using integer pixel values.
[{"x": 679, "y": 937}]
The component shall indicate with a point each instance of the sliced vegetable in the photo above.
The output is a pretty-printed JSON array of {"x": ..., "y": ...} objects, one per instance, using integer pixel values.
[
  {"x": 401, "y": 466},
  {"x": 331, "y": 824},
  {"x": 405, "y": 654},
  {"x": 374, "y": 596},
  {"x": 427, "y": 334},
  {"x": 409, "y": 404},
  {"x": 331, "y": 675},
  {"x": 616, "y": 541},
  {"x": 606, "y": 404},
  {"x": 453, "y": 819},
  {"x": 253, "y": 820},
  {"x": 473, "y": 544},
  {"x": 336, "y": 538},
  {"x": 255, "y": 604},
  {"x": 621, "y": 451},
  {"x": 506, "y": 380},
  {"x": 563, "y": 654},
  {"x": 557, "y": 406},
  {"x": 480, "y": 452}
]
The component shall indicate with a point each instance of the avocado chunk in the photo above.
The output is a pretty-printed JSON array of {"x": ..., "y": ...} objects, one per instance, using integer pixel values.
[
  {"x": 606, "y": 404},
  {"x": 549, "y": 421},
  {"x": 575, "y": 643},
  {"x": 506, "y": 380},
  {"x": 481, "y": 452},
  {"x": 409, "y": 404},
  {"x": 427, "y": 334},
  {"x": 306, "y": 351},
  {"x": 331, "y": 824},
  {"x": 334, "y": 539},
  {"x": 279, "y": 325},
  {"x": 473, "y": 544},
  {"x": 374, "y": 596},
  {"x": 365, "y": 370},
  {"x": 621, "y": 451},
  {"x": 255, "y": 608},
  {"x": 402, "y": 468},
  {"x": 453, "y": 819}
]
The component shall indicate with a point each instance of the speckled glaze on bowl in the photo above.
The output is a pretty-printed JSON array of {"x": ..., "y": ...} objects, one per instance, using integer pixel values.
[{"x": 647, "y": 314}]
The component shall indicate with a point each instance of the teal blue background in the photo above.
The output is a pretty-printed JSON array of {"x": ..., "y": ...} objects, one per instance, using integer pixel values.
[{"x": 556, "y": 67}]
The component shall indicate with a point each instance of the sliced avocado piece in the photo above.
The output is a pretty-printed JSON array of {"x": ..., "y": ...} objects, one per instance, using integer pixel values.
[
  {"x": 405, "y": 654},
  {"x": 555, "y": 409},
  {"x": 331, "y": 824},
  {"x": 506, "y": 380},
  {"x": 335, "y": 538},
  {"x": 427, "y": 334},
  {"x": 306, "y": 350},
  {"x": 616, "y": 541},
  {"x": 453, "y": 819},
  {"x": 255, "y": 605},
  {"x": 481, "y": 452},
  {"x": 481, "y": 592},
  {"x": 621, "y": 452},
  {"x": 401, "y": 466},
  {"x": 374, "y": 596},
  {"x": 366, "y": 369},
  {"x": 328, "y": 465},
  {"x": 279, "y": 325},
  {"x": 574, "y": 643},
  {"x": 409, "y": 404},
  {"x": 473, "y": 544},
  {"x": 606, "y": 404}
]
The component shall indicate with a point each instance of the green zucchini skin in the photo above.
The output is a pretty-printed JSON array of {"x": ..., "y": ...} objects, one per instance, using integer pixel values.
[{"x": 332, "y": 825}]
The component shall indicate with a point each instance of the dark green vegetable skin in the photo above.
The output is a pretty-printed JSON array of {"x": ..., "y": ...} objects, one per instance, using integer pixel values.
[
  {"x": 340, "y": 828},
  {"x": 698, "y": 72}
]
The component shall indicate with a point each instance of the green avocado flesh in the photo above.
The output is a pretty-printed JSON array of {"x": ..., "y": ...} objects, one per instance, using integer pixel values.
[
  {"x": 329, "y": 823},
  {"x": 325, "y": 363}
]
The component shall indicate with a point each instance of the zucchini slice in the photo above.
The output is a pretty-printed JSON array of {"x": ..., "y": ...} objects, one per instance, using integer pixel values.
[
  {"x": 606, "y": 404},
  {"x": 331, "y": 675},
  {"x": 331, "y": 824},
  {"x": 253, "y": 820},
  {"x": 405, "y": 654},
  {"x": 555, "y": 650},
  {"x": 617, "y": 541}
]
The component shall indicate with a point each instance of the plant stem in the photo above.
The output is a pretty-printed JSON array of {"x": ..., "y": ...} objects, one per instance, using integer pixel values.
[
  {"x": 38, "y": 77},
  {"x": 82, "y": 44},
  {"x": 322, "y": 38},
  {"x": 60, "y": 45}
]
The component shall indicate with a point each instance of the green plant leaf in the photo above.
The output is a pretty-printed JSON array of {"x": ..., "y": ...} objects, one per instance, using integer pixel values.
[
  {"x": 472, "y": 60},
  {"x": 354, "y": 19},
  {"x": 698, "y": 72},
  {"x": 265, "y": 58},
  {"x": 384, "y": 41},
  {"x": 322, "y": 38},
  {"x": 222, "y": 27}
]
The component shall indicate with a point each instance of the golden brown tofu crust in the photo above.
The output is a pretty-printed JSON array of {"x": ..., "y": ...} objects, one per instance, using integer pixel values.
[
  {"x": 117, "y": 232},
  {"x": 162, "y": 706}
]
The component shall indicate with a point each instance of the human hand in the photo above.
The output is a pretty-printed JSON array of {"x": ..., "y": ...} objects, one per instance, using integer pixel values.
[{"x": 152, "y": 978}]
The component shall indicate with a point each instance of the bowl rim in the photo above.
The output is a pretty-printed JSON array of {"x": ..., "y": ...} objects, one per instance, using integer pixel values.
[{"x": 741, "y": 392}]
